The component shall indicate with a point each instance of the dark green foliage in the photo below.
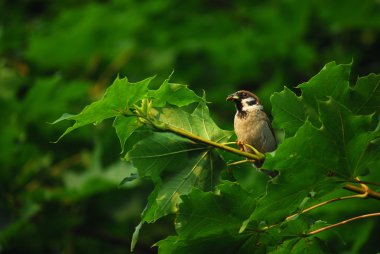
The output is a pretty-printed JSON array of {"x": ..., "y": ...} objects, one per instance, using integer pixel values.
[
  {"x": 318, "y": 158},
  {"x": 59, "y": 56}
]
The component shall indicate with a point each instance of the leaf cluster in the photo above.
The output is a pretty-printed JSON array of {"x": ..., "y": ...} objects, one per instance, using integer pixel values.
[
  {"x": 58, "y": 56},
  {"x": 331, "y": 138}
]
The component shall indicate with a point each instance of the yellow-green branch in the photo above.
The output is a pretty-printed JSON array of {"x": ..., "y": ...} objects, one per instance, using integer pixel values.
[
  {"x": 189, "y": 135},
  {"x": 143, "y": 114},
  {"x": 357, "y": 189}
]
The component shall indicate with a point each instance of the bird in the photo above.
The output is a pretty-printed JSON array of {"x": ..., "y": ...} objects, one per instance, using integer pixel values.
[{"x": 251, "y": 124}]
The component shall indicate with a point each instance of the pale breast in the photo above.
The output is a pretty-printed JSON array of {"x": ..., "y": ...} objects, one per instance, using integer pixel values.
[{"x": 255, "y": 130}]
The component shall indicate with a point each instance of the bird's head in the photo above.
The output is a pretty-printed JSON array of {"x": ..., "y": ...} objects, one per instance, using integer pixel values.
[{"x": 245, "y": 101}]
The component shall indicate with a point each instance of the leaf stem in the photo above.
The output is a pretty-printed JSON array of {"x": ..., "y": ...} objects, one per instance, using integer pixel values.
[{"x": 343, "y": 222}]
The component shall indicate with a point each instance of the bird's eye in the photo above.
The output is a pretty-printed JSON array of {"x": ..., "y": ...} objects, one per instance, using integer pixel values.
[{"x": 244, "y": 94}]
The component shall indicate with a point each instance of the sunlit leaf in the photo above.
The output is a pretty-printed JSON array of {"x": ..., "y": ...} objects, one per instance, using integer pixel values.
[
  {"x": 329, "y": 142},
  {"x": 116, "y": 101},
  {"x": 174, "y": 94},
  {"x": 124, "y": 127},
  {"x": 199, "y": 122},
  {"x": 331, "y": 81},
  {"x": 175, "y": 164}
]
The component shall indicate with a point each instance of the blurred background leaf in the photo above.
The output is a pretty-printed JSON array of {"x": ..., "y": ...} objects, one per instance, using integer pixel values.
[{"x": 57, "y": 56}]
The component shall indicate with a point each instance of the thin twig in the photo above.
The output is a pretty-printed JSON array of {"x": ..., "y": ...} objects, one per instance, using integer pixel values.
[
  {"x": 343, "y": 222},
  {"x": 363, "y": 193},
  {"x": 314, "y": 207},
  {"x": 324, "y": 203}
]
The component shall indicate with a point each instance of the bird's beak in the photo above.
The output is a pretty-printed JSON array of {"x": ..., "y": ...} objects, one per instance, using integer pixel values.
[{"x": 232, "y": 97}]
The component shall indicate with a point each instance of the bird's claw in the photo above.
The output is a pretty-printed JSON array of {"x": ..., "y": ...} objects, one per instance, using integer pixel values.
[{"x": 241, "y": 145}]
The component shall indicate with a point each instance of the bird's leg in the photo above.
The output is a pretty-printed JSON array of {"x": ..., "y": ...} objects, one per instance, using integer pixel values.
[
  {"x": 238, "y": 143},
  {"x": 241, "y": 145}
]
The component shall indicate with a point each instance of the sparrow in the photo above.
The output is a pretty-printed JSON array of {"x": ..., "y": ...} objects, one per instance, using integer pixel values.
[{"x": 251, "y": 124}]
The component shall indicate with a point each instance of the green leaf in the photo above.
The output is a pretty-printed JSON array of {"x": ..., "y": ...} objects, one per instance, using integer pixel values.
[
  {"x": 318, "y": 160},
  {"x": 331, "y": 81},
  {"x": 176, "y": 165},
  {"x": 199, "y": 122},
  {"x": 116, "y": 101},
  {"x": 304, "y": 168},
  {"x": 220, "y": 243},
  {"x": 288, "y": 111},
  {"x": 135, "y": 235},
  {"x": 124, "y": 127},
  {"x": 315, "y": 160},
  {"x": 194, "y": 164},
  {"x": 351, "y": 136},
  {"x": 174, "y": 94},
  {"x": 159, "y": 152},
  {"x": 312, "y": 245},
  {"x": 209, "y": 211},
  {"x": 208, "y": 223},
  {"x": 365, "y": 96}
]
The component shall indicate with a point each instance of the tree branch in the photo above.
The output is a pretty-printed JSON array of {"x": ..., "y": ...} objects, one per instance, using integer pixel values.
[
  {"x": 343, "y": 222},
  {"x": 324, "y": 203},
  {"x": 143, "y": 114},
  {"x": 371, "y": 193},
  {"x": 258, "y": 156},
  {"x": 361, "y": 195}
]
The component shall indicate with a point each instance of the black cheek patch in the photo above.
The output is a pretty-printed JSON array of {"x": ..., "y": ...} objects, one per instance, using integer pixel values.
[
  {"x": 251, "y": 102},
  {"x": 238, "y": 105}
]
